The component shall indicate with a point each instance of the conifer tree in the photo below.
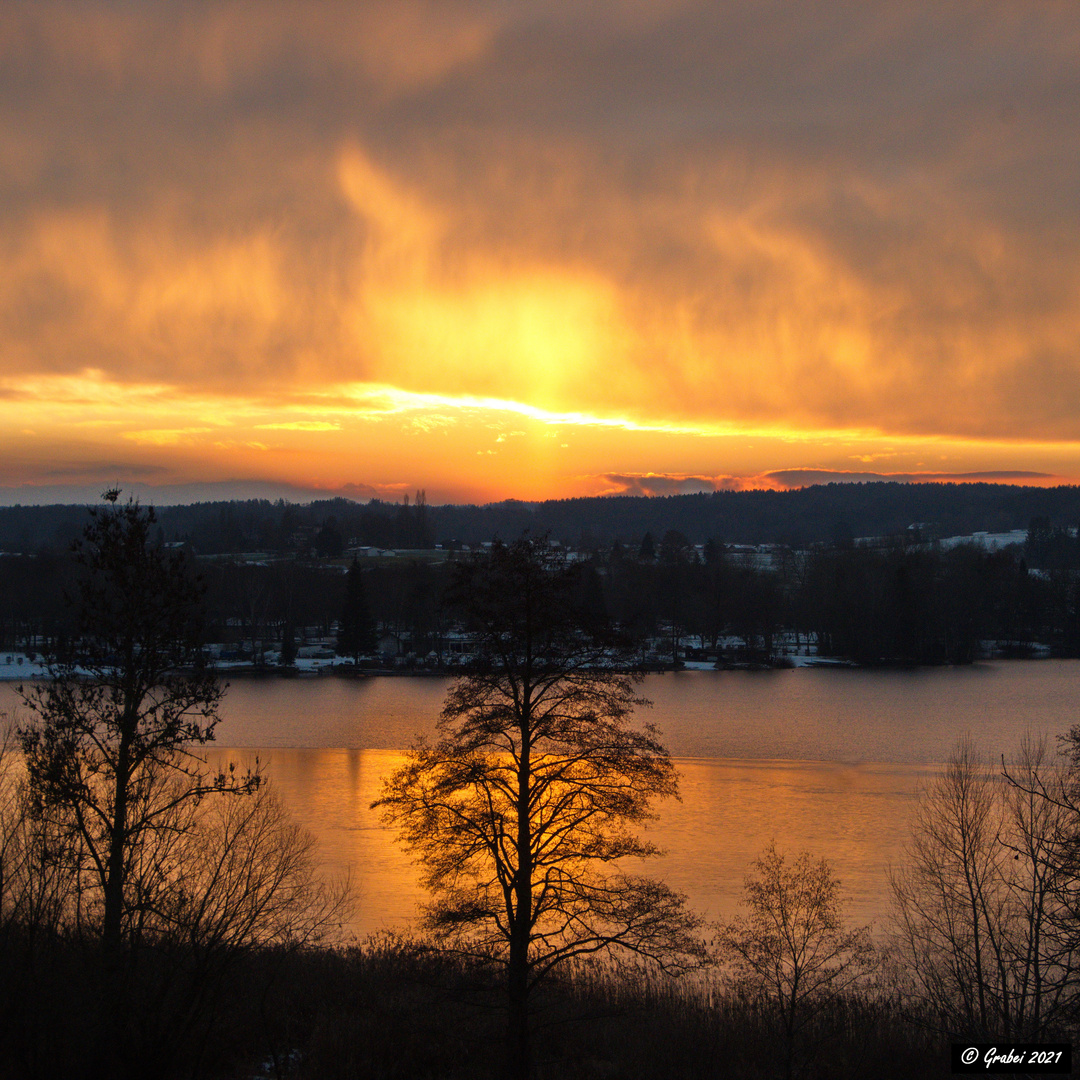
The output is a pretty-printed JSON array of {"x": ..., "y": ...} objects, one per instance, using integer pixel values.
[{"x": 357, "y": 635}]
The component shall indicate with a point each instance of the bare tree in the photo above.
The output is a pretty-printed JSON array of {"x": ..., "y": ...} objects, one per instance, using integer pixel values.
[
  {"x": 109, "y": 753},
  {"x": 792, "y": 947},
  {"x": 243, "y": 873},
  {"x": 521, "y": 811},
  {"x": 35, "y": 883},
  {"x": 120, "y": 836},
  {"x": 983, "y": 927}
]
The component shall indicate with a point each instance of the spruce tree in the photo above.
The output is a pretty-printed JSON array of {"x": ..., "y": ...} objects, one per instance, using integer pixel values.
[{"x": 356, "y": 631}]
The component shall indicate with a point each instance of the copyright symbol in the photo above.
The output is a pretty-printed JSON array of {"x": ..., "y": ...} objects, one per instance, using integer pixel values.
[{"x": 969, "y": 1056}]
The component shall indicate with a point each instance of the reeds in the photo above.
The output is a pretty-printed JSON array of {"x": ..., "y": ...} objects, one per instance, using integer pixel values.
[{"x": 397, "y": 1008}]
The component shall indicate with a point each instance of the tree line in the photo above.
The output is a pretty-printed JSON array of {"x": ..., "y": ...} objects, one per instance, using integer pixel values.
[
  {"x": 892, "y": 602},
  {"x": 821, "y": 514}
]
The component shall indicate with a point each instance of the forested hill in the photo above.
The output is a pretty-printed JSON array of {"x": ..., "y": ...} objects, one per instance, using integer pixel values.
[{"x": 825, "y": 513}]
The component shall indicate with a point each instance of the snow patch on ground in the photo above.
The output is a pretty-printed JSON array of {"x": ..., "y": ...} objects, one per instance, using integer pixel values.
[
  {"x": 15, "y": 666},
  {"x": 990, "y": 541}
]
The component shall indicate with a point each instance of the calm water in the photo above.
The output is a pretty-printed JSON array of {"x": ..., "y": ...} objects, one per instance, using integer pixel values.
[{"x": 826, "y": 760}]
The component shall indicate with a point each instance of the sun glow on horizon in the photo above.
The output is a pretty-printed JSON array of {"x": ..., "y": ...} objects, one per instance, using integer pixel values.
[{"x": 379, "y": 439}]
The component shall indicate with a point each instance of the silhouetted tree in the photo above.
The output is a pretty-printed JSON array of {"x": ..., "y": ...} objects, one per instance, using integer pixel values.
[
  {"x": 329, "y": 541},
  {"x": 756, "y": 610},
  {"x": 108, "y": 755},
  {"x": 985, "y": 900},
  {"x": 792, "y": 947},
  {"x": 288, "y": 646},
  {"x": 356, "y": 630},
  {"x": 520, "y": 807}
]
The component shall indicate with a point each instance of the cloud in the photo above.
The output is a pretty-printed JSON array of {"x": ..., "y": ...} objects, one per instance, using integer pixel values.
[
  {"x": 300, "y": 425},
  {"x": 689, "y": 216},
  {"x": 231, "y": 49},
  {"x": 164, "y": 436},
  {"x": 241, "y": 444},
  {"x": 797, "y": 478},
  {"x": 158, "y": 494},
  {"x": 358, "y": 491},
  {"x": 653, "y": 484},
  {"x": 430, "y": 423},
  {"x": 76, "y": 470}
]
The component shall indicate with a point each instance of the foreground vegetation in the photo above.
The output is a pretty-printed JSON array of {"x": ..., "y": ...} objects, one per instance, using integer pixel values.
[{"x": 395, "y": 1009}]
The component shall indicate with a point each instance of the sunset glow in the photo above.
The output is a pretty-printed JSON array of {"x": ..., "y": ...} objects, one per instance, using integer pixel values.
[{"x": 512, "y": 250}]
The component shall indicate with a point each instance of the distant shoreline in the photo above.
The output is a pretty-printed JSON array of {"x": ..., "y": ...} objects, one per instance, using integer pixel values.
[{"x": 34, "y": 671}]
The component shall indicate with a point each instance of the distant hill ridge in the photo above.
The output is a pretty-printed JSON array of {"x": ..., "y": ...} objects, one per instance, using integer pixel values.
[{"x": 820, "y": 514}]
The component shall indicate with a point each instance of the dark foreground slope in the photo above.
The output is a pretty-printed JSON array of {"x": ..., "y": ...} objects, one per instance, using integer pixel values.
[{"x": 394, "y": 1010}]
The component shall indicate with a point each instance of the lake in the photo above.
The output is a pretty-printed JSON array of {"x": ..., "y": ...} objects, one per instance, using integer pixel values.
[{"x": 827, "y": 760}]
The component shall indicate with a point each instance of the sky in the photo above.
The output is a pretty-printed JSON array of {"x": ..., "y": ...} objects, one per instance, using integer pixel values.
[{"x": 536, "y": 249}]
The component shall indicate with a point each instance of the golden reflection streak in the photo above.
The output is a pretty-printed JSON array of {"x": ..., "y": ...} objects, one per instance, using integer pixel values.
[
  {"x": 857, "y": 815},
  {"x": 330, "y": 792}
]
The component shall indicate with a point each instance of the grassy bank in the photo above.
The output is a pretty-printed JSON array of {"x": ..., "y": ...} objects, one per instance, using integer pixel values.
[{"x": 393, "y": 1009}]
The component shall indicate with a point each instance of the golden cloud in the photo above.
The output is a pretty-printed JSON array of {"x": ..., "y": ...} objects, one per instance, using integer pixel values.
[
  {"x": 225, "y": 47},
  {"x": 164, "y": 436},
  {"x": 300, "y": 425},
  {"x": 661, "y": 226}
]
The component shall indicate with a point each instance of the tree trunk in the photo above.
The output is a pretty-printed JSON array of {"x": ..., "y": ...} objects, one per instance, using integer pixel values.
[
  {"x": 517, "y": 1033},
  {"x": 114, "y": 881},
  {"x": 521, "y": 931}
]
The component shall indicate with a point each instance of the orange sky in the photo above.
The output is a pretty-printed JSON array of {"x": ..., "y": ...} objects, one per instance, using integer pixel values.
[{"x": 535, "y": 249}]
